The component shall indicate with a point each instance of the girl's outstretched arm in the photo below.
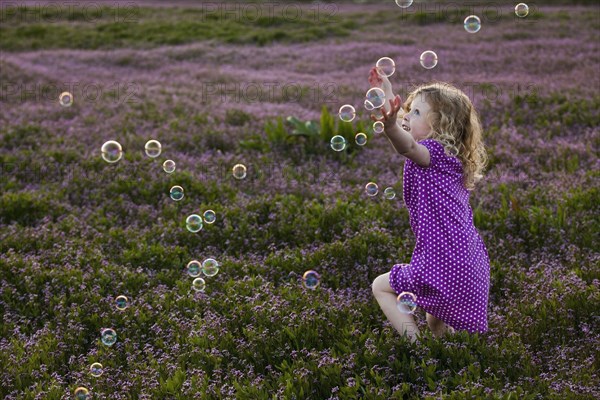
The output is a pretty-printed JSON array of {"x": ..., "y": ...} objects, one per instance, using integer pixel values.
[
  {"x": 402, "y": 141},
  {"x": 381, "y": 81}
]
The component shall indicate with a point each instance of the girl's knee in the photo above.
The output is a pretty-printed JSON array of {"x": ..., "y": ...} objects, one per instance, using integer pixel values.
[{"x": 381, "y": 284}]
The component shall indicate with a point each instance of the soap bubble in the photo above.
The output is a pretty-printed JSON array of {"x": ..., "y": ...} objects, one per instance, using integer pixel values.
[
  {"x": 311, "y": 279},
  {"x": 169, "y": 166},
  {"x": 522, "y": 10},
  {"x": 406, "y": 302},
  {"x": 153, "y": 148},
  {"x": 193, "y": 223},
  {"x": 65, "y": 99},
  {"x": 209, "y": 216},
  {"x": 122, "y": 302},
  {"x": 239, "y": 171},
  {"x": 199, "y": 285},
  {"x": 404, "y": 3},
  {"x": 82, "y": 393},
  {"x": 386, "y": 66},
  {"x": 361, "y": 139},
  {"x": 378, "y": 127},
  {"x": 338, "y": 143},
  {"x": 108, "y": 336},
  {"x": 376, "y": 97},
  {"x": 368, "y": 105},
  {"x": 389, "y": 193},
  {"x": 111, "y": 151},
  {"x": 428, "y": 59},
  {"x": 472, "y": 24},
  {"x": 210, "y": 267},
  {"x": 96, "y": 369},
  {"x": 176, "y": 193},
  {"x": 347, "y": 113},
  {"x": 371, "y": 189},
  {"x": 193, "y": 268}
]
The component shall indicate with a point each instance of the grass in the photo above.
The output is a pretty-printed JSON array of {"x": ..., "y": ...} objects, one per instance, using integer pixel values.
[
  {"x": 266, "y": 320},
  {"x": 76, "y": 232},
  {"x": 132, "y": 26},
  {"x": 110, "y": 27}
]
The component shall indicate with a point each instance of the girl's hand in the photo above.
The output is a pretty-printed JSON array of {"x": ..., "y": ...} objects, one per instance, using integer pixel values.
[
  {"x": 379, "y": 80},
  {"x": 389, "y": 119},
  {"x": 374, "y": 79}
]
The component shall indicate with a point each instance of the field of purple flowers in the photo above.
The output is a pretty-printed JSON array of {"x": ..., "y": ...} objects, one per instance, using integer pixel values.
[{"x": 216, "y": 88}]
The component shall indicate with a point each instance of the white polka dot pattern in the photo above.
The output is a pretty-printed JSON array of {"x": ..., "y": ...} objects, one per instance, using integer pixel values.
[{"x": 449, "y": 271}]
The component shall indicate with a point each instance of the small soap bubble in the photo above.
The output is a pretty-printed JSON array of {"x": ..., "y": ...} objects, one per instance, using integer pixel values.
[
  {"x": 210, "y": 267},
  {"x": 111, "y": 151},
  {"x": 522, "y": 10},
  {"x": 311, "y": 279},
  {"x": 429, "y": 59},
  {"x": 176, "y": 193},
  {"x": 338, "y": 143},
  {"x": 378, "y": 127},
  {"x": 239, "y": 171},
  {"x": 472, "y": 24},
  {"x": 199, "y": 285},
  {"x": 376, "y": 97},
  {"x": 371, "y": 189},
  {"x": 368, "y": 105},
  {"x": 209, "y": 216},
  {"x": 193, "y": 268},
  {"x": 406, "y": 302},
  {"x": 386, "y": 66},
  {"x": 96, "y": 369},
  {"x": 169, "y": 166},
  {"x": 404, "y": 3},
  {"x": 82, "y": 393},
  {"x": 153, "y": 148},
  {"x": 347, "y": 113},
  {"x": 193, "y": 223},
  {"x": 361, "y": 139},
  {"x": 108, "y": 336},
  {"x": 389, "y": 193},
  {"x": 65, "y": 99},
  {"x": 122, "y": 302}
]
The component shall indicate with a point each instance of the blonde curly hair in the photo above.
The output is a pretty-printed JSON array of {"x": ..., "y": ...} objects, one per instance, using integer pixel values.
[{"x": 455, "y": 124}]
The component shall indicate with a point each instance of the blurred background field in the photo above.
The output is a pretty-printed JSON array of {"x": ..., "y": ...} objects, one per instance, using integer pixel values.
[{"x": 260, "y": 84}]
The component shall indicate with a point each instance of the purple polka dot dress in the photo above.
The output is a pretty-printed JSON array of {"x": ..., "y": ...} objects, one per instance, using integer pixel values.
[{"x": 449, "y": 271}]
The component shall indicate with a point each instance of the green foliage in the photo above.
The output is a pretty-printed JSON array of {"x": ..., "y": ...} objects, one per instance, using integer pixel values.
[
  {"x": 237, "y": 117},
  {"x": 276, "y": 132},
  {"x": 538, "y": 221},
  {"x": 27, "y": 208},
  {"x": 446, "y": 12},
  {"x": 142, "y": 27},
  {"x": 27, "y": 136},
  {"x": 133, "y": 26},
  {"x": 67, "y": 247},
  {"x": 311, "y": 136},
  {"x": 562, "y": 112}
]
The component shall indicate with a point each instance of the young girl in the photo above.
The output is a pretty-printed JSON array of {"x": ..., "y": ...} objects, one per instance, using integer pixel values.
[{"x": 449, "y": 273}]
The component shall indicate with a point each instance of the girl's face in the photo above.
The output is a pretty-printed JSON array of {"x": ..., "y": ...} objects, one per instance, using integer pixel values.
[{"x": 415, "y": 121}]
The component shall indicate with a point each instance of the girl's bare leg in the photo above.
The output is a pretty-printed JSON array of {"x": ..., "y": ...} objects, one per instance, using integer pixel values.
[
  {"x": 386, "y": 297},
  {"x": 437, "y": 326}
]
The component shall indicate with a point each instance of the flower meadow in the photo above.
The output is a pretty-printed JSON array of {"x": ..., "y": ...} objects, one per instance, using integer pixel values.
[{"x": 261, "y": 87}]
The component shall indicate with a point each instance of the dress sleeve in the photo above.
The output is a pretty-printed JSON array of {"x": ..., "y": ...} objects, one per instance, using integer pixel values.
[{"x": 437, "y": 156}]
